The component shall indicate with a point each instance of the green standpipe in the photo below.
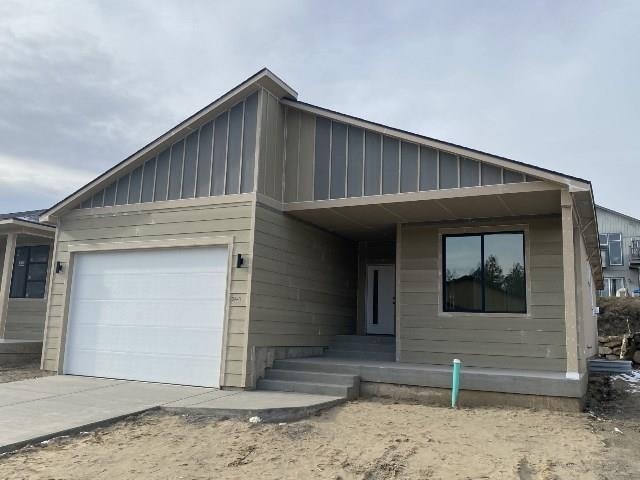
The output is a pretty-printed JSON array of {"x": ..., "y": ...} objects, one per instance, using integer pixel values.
[{"x": 457, "y": 364}]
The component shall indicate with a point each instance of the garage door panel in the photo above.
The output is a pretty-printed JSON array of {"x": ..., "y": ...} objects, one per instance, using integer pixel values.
[
  {"x": 164, "y": 341},
  {"x": 148, "y": 285},
  {"x": 145, "y": 313},
  {"x": 151, "y": 315},
  {"x": 149, "y": 368},
  {"x": 173, "y": 261}
]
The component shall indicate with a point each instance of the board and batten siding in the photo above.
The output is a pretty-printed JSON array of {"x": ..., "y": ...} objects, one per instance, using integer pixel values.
[
  {"x": 327, "y": 159},
  {"x": 271, "y": 146},
  {"x": 303, "y": 289},
  {"x": 535, "y": 341},
  {"x": 215, "y": 158},
  {"x": 160, "y": 221}
]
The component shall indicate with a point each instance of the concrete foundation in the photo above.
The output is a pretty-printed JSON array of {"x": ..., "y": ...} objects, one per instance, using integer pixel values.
[
  {"x": 468, "y": 398},
  {"x": 19, "y": 352},
  {"x": 525, "y": 382}
]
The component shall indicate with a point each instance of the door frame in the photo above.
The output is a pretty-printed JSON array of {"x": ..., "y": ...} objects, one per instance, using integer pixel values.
[
  {"x": 392, "y": 266},
  {"x": 112, "y": 246}
]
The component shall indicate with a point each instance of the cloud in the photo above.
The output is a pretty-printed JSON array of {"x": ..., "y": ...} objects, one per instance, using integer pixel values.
[
  {"x": 85, "y": 84},
  {"x": 41, "y": 178}
]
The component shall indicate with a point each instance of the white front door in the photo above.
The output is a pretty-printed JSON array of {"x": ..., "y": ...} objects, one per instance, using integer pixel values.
[
  {"x": 154, "y": 315},
  {"x": 381, "y": 296}
]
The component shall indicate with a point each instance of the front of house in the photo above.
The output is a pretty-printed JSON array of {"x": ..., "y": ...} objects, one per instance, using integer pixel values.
[{"x": 264, "y": 228}]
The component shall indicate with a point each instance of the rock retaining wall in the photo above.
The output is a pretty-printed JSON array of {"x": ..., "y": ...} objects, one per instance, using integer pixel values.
[{"x": 620, "y": 347}]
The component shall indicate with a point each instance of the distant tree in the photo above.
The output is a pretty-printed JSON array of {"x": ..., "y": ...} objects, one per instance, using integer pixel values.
[
  {"x": 493, "y": 274},
  {"x": 450, "y": 274},
  {"x": 514, "y": 283}
]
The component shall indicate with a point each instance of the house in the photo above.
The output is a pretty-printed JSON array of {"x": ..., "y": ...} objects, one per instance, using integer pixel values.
[
  {"x": 25, "y": 264},
  {"x": 263, "y": 229},
  {"x": 620, "y": 250}
]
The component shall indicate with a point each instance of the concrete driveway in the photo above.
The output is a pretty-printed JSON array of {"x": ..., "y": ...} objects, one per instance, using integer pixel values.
[
  {"x": 37, "y": 409},
  {"x": 41, "y": 408}
]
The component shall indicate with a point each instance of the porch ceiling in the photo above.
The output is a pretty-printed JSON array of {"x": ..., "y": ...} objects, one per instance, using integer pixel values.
[{"x": 377, "y": 219}]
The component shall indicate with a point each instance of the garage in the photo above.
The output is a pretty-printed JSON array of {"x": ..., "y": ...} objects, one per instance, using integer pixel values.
[{"x": 154, "y": 315}]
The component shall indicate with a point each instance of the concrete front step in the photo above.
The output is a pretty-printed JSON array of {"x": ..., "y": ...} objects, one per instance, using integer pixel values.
[
  {"x": 361, "y": 355},
  {"x": 344, "y": 391},
  {"x": 368, "y": 339},
  {"x": 363, "y": 347},
  {"x": 318, "y": 364},
  {"x": 311, "y": 376}
]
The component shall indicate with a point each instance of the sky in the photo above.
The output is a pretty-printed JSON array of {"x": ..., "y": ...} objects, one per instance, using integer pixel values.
[{"x": 83, "y": 84}]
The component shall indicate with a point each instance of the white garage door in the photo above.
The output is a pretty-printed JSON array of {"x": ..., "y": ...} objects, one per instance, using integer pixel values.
[{"x": 151, "y": 315}]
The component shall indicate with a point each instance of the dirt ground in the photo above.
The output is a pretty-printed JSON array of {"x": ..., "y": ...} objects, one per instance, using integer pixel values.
[
  {"x": 360, "y": 440},
  {"x": 13, "y": 373}
]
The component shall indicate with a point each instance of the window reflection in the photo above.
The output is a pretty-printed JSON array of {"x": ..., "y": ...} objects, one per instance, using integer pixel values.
[{"x": 485, "y": 273}]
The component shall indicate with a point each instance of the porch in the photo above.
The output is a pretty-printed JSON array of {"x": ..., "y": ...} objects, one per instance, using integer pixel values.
[
  {"x": 25, "y": 263},
  {"x": 533, "y": 346},
  {"x": 356, "y": 366}
]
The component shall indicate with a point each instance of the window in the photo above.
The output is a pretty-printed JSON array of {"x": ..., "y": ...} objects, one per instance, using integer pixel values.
[
  {"x": 611, "y": 287},
  {"x": 29, "y": 272},
  {"x": 611, "y": 244},
  {"x": 484, "y": 273}
]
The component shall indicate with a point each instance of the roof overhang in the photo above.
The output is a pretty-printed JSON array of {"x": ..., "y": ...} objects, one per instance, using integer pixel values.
[
  {"x": 619, "y": 214},
  {"x": 573, "y": 183},
  {"x": 585, "y": 209},
  {"x": 263, "y": 79},
  {"x": 17, "y": 225},
  {"x": 376, "y": 217}
]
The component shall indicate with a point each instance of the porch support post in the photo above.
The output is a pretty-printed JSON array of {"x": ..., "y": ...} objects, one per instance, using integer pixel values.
[
  {"x": 5, "y": 281},
  {"x": 569, "y": 274}
]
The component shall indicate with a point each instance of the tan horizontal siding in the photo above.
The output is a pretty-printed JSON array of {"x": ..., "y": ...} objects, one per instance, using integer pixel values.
[
  {"x": 303, "y": 283},
  {"x": 532, "y": 341},
  {"x": 164, "y": 223},
  {"x": 25, "y": 319}
]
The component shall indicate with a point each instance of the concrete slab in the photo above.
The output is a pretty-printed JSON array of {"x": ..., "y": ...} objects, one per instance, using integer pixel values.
[
  {"x": 11, "y": 396},
  {"x": 270, "y": 406},
  {"x": 38, "y": 409},
  {"x": 62, "y": 384},
  {"x": 41, "y": 408},
  {"x": 204, "y": 398}
]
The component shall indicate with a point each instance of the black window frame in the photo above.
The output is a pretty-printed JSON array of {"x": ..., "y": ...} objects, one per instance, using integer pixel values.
[
  {"x": 29, "y": 263},
  {"x": 482, "y": 276}
]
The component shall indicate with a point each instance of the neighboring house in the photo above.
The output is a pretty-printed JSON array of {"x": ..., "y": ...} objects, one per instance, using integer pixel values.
[
  {"x": 25, "y": 260},
  {"x": 620, "y": 250},
  {"x": 263, "y": 227}
]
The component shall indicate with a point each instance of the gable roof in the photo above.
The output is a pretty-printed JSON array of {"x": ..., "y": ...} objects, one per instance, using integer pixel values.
[
  {"x": 526, "y": 168},
  {"x": 266, "y": 79},
  {"x": 613, "y": 212},
  {"x": 263, "y": 78},
  {"x": 28, "y": 216},
  {"x": 28, "y": 219}
]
